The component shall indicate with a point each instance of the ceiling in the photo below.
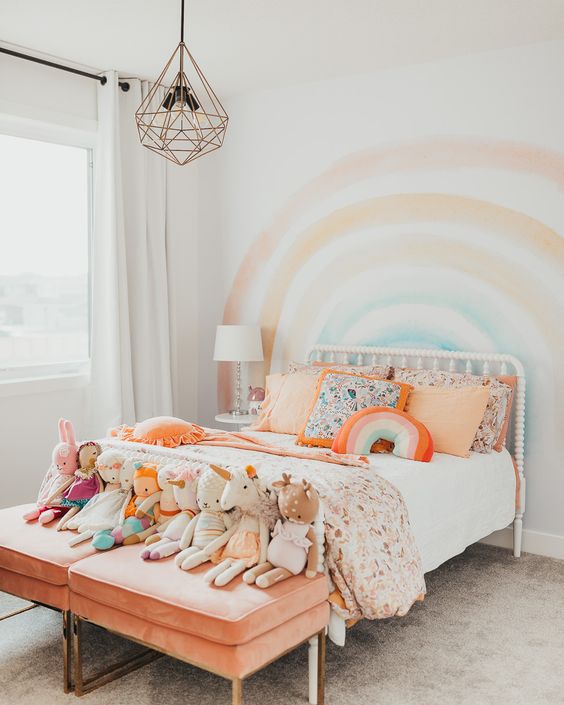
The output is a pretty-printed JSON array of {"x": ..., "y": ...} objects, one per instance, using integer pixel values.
[{"x": 245, "y": 45}]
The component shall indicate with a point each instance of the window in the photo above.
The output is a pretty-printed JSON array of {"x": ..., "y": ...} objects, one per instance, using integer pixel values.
[{"x": 45, "y": 223}]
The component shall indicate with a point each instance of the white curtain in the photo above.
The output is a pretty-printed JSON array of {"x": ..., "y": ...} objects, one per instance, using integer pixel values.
[{"x": 130, "y": 351}]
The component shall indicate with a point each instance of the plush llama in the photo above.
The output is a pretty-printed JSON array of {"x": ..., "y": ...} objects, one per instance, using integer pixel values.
[{"x": 204, "y": 534}]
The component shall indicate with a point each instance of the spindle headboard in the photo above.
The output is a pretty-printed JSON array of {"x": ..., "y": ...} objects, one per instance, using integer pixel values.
[{"x": 452, "y": 360}]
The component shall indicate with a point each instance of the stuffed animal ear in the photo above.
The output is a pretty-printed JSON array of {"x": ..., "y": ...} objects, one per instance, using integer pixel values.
[
  {"x": 222, "y": 472},
  {"x": 251, "y": 472},
  {"x": 70, "y": 433},
  {"x": 62, "y": 431},
  {"x": 279, "y": 484}
]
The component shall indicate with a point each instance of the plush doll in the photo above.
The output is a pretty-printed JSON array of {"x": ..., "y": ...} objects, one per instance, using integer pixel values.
[
  {"x": 168, "y": 507},
  {"x": 86, "y": 483},
  {"x": 199, "y": 539},
  {"x": 293, "y": 543},
  {"x": 64, "y": 463},
  {"x": 130, "y": 528},
  {"x": 245, "y": 543},
  {"x": 167, "y": 541},
  {"x": 103, "y": 510}
]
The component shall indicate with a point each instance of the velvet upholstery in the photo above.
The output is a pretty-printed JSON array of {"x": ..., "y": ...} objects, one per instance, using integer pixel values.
[
  {"x": 229, "y": 661},
  {"x": 40, "y": 552},
  {"x": 34, "y": 589},
  {"x": 161, "y": 593}
]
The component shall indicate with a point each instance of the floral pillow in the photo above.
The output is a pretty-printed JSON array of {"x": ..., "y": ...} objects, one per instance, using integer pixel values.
[
  {"x": 341, "y": 394},
  {"x": 490, "y": 430},
  {"x": 316, "y": 368}
]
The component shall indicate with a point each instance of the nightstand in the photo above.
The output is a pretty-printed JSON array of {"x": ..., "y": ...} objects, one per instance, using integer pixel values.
[{"x": 237, "y": 419}]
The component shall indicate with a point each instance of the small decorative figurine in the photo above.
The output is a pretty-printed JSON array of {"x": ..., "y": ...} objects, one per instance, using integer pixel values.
[{"x": 255, "y": 399}]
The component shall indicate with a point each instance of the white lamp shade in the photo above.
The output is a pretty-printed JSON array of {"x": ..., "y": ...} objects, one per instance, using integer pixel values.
[{"x": 238, "y": 344}]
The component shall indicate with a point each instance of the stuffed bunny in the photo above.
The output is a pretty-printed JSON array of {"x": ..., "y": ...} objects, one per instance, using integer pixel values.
[
  {"x": 103, "y": 510},
  {"x": 200, "y": 537},
  {"x": 130, "y": 528},
  {"x": 60, "y": 475},
  {"x": 293, "y": 541},
  {"x": 245, "y": 543},
  {"x": 167, "y": 541}
]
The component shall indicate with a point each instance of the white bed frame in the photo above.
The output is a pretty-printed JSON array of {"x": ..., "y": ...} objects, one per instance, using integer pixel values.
[{"x": 453, "y": 361}]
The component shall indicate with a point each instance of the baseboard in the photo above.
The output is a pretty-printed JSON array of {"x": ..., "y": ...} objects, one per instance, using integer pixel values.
[{"x": 537, "y": 542}]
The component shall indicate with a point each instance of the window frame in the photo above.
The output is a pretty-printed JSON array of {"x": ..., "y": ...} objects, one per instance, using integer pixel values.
[{"x": 64, "y": 374}]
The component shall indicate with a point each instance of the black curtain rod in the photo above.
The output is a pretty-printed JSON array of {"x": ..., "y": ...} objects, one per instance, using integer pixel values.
[{"x": 103, "y": 80}]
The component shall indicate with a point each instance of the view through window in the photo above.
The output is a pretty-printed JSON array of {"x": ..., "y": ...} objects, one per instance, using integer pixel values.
[{"x": 44, "y": 256}]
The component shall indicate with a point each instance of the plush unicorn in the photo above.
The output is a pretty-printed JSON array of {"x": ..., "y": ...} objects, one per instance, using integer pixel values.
[
  {"x": 245, "y": 544},
  {"x": 204, "y": 534},
  {"x": 167, "y": 541}
]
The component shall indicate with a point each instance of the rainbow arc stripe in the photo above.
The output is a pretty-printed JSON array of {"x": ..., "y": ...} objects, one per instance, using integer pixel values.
[{"x": 362, "y": 430}]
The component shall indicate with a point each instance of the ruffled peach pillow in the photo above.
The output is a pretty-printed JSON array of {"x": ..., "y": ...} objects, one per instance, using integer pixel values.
[{"x": 166, "y": 431}]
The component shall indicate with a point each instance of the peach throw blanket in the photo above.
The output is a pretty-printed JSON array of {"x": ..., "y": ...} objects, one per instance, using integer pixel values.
[{"x": 228, "y": 439}]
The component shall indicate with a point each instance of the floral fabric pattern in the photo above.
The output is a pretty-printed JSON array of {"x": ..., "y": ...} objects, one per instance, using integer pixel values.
[
  {"x": 500, "y": 395},
  {"x": 381, "y": 371},
  {"x": 370, "y": 553},
  {"x": 339, "y": 396}
]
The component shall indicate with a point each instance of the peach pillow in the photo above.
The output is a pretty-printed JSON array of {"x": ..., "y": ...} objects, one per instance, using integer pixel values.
[
  {"x": 452, "y": 415},
  {"x": 166, "y": 431},
  {"x": 286, "y": 404}
]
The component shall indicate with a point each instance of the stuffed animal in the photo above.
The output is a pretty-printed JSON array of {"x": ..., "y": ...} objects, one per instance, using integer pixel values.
[
  {"x": 167, "y": 541},
  {"x": 293, "y": 543},
  {"x": 204, "y": 534},
  {"x": 168, "y": 508},
  {"x": 103, "y": 510},
  {"x": 246, "y": 543},
  {"x": 130, "y": 528},
  {"x": 86, "y": 483},
  {"x": 60, "y": 475}
]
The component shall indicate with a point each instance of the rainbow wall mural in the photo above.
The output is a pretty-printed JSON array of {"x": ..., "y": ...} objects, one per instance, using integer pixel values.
[{"x": 447, "y": 243}]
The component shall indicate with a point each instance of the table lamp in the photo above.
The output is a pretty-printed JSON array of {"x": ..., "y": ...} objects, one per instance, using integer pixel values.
[{"x": 238, "y": 344}]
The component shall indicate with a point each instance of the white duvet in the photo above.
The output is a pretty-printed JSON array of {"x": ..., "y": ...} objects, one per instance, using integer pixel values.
[{"x": 452, "y": 502}]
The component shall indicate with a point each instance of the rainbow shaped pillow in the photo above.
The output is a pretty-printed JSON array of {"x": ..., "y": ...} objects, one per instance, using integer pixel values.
[{"x": 362, "y": 430}]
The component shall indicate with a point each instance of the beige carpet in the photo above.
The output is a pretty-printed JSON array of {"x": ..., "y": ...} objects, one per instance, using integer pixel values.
[{"x": 491, "y": 631}]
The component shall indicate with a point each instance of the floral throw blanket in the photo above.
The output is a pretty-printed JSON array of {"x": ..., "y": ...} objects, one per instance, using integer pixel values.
[{"x": 370, "y": 551}]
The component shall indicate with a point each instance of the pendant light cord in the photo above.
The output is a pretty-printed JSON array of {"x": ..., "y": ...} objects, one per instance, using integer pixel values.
[{"x": 182, "y": 22}]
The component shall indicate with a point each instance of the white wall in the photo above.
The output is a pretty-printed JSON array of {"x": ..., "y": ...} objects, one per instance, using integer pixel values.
[{"x": 419, "y": 206}]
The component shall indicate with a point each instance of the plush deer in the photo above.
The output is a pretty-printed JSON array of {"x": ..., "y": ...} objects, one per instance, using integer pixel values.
[
  {"x": 293, "y": 541},
  {"x": 245, "y": 543},
  {"x": 167, "y": 541}
]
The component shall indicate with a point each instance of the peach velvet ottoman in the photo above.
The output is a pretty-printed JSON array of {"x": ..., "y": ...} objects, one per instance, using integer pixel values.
[
  {"x": 34, "y": 564},
  {"x": 232, "y": 631}
]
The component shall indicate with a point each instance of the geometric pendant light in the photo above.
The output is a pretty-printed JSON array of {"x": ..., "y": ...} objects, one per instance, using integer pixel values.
[{"x": 181, "y": 117}]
